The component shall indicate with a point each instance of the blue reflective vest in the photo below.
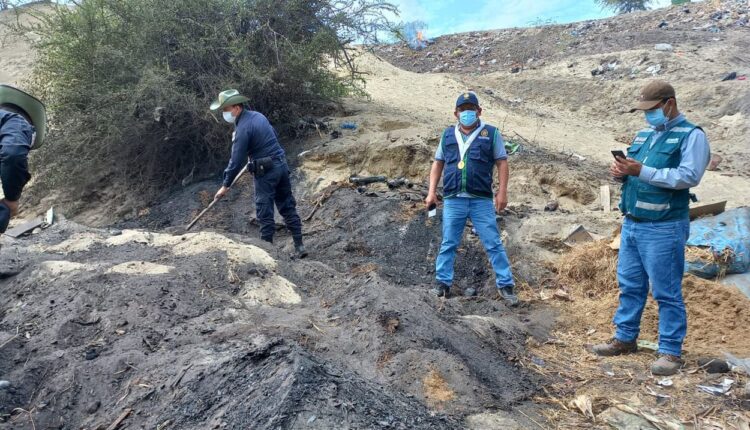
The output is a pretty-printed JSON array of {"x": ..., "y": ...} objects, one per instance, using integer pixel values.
[
  {"x": 647, "y": 202},
  {"x": 476, "y": 176}
]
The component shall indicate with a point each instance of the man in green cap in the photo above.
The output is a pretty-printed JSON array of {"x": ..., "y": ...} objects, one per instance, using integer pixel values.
[
  {"x": 255, "y": 139},
  {"x": 22, "y": 126},
  {"x": 664, "y": 161}
]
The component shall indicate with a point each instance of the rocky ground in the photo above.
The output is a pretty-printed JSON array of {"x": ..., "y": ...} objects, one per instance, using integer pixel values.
[{"x": 121, "y": 318}]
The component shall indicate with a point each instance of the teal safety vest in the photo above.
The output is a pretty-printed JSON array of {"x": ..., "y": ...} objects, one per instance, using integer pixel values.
[
  {"x": 647, "y": 202},
  {"x": 476, "y": 176}
]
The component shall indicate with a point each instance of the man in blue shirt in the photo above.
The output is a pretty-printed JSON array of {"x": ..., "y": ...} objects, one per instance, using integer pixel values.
[
  {"x": 255, "y": 138},
  {"x": 466, "y": 157},
  {"x": 22, "y": 125},
  {"x": 662, "y": 163}
]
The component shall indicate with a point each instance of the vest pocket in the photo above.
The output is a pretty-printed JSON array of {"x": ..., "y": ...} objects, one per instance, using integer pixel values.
[
  {"x": 634, "y": 149},
  {"x": 451, "y": 153},
  {"x": 652, "y": 204}
]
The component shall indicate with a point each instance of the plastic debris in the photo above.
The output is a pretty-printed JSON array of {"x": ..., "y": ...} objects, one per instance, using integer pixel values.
[
  {"x": 647, "y": 344},
  {"x": 666, "y": 382},
  {"x": 348, "y": 125},
  {"x": 663, "y": 47},
  {"x": 722, "y": 388}
]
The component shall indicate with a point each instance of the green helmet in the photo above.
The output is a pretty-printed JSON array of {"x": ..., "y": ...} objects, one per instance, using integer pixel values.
[
  {"x": 228, "y": 98},
  {"x": 34, "y": 109}
]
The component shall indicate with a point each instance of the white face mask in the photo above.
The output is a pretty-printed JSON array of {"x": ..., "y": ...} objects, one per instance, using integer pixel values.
[{"x": 228, "y": 117}]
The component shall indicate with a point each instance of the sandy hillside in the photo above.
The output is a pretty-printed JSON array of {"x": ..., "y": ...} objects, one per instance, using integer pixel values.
[{"x": 16, "y": 59}]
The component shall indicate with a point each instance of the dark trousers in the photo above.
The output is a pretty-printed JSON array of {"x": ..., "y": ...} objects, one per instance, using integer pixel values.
[
  {"x": 14, "y": 173},
  {"x": 275, "y": 188}
]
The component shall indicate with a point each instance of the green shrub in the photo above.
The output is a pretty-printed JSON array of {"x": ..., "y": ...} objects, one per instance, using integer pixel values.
[{"x": 128, "y": 82}]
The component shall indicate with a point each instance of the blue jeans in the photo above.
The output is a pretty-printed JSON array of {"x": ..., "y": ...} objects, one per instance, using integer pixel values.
[
  {"x": 482, "y": 213},
  {"x": 655, "y": 252}
]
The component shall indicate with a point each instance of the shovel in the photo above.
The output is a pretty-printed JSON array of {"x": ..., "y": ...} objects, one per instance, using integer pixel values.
[{"x": 203, "y": 212}]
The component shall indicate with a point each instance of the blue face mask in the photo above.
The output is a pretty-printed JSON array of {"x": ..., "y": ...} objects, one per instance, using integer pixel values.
[
  {"x": 656, "y": 117},
  {"x": 467, "y": 117}
]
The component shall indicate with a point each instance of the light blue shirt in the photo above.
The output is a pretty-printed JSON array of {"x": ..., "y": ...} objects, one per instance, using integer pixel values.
[
  {"x": 498, "y": 149},
  {"x": 695, "y": 154}
]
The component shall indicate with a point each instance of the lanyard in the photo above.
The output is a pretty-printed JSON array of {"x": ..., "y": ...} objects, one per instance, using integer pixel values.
[{"x": 463, "y": 146}]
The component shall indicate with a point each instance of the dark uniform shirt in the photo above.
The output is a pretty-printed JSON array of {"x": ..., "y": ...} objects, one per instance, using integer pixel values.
[
  {"x": 254, "y": 138},
  {"x": 16, "y": 136}
]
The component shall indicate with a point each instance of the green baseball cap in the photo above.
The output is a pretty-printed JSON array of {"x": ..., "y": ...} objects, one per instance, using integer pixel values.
[
  {"x": 34, "y": 109},
  {"x": 228, "y": 98}
]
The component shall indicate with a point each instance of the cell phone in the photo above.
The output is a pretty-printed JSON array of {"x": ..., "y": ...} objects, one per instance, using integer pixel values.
[
  {"x": 432, "y": 210},
  {"x": 618, "y": 153}
]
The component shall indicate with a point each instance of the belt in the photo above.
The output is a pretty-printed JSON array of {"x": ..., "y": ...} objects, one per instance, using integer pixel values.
[{"x": 634, "y": 219}]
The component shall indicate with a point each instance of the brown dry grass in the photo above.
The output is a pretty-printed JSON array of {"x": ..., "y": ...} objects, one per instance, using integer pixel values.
[
  {"x": 364, "y": 269},
  {"x": 718, "y": 321},
  {"x": 436, "y": 389},
  {"x": 589, "y": 270}
]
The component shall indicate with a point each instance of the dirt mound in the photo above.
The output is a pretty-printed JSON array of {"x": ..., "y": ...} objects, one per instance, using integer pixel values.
[
  {"x": 718, "y": 315},
  {"x": 185, "y": 329}
]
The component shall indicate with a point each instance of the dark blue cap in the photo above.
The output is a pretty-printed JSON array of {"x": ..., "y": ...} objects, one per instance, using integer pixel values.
[{"x": 468, "y": 97}]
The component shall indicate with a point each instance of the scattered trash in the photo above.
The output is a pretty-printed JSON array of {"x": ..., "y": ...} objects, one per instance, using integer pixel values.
[
  {"x": 512, "y": 147},
  {"x": 551, "y": 206},
  {"x": 738, "y": 365},
  {"x": 538, "y": 361},
  {"x": 726, "y": 237},
  {"x": 348, "y": 125},
  {"x": 659, "y": 396},
  {"x": 366, "y": 180},
  {"x": 713, "y": 365},
  {"x": 49, "y": 218},
  {"x": 578, "y": 235},
  {"x": 648, "y": 345},
  {"x": 598, "y": 71},
  {"x": 561, "y": 294},
  {"x": 590, "y": 331},
  {"x": 312, "y": 419},
  {"x": 666, "y": 382},
  {"x": 4, "y": 384},
  {"x": 399, "y": 182},
  {"x": 654, "y": 70},
  {"x": 709, "y": 209},
  {"x": 730, "y": 77},
  {"x": 585, "y": 405},
  {"x": 24, "y": 228},
  {"x": 663, "y": 47},
  {"x": 718, "y": 389}
]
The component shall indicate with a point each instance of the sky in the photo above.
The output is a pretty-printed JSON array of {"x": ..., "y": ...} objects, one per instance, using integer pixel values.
[{"x": 457, "y": 16}]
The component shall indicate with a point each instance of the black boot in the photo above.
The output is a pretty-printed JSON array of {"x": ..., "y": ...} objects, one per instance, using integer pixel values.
[{"x": 299, "y": 247}]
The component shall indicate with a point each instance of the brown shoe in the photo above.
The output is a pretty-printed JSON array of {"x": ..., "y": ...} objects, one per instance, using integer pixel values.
[
  {"x": 614, "y": 347},
  {"x": 667, "y": 365}
]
